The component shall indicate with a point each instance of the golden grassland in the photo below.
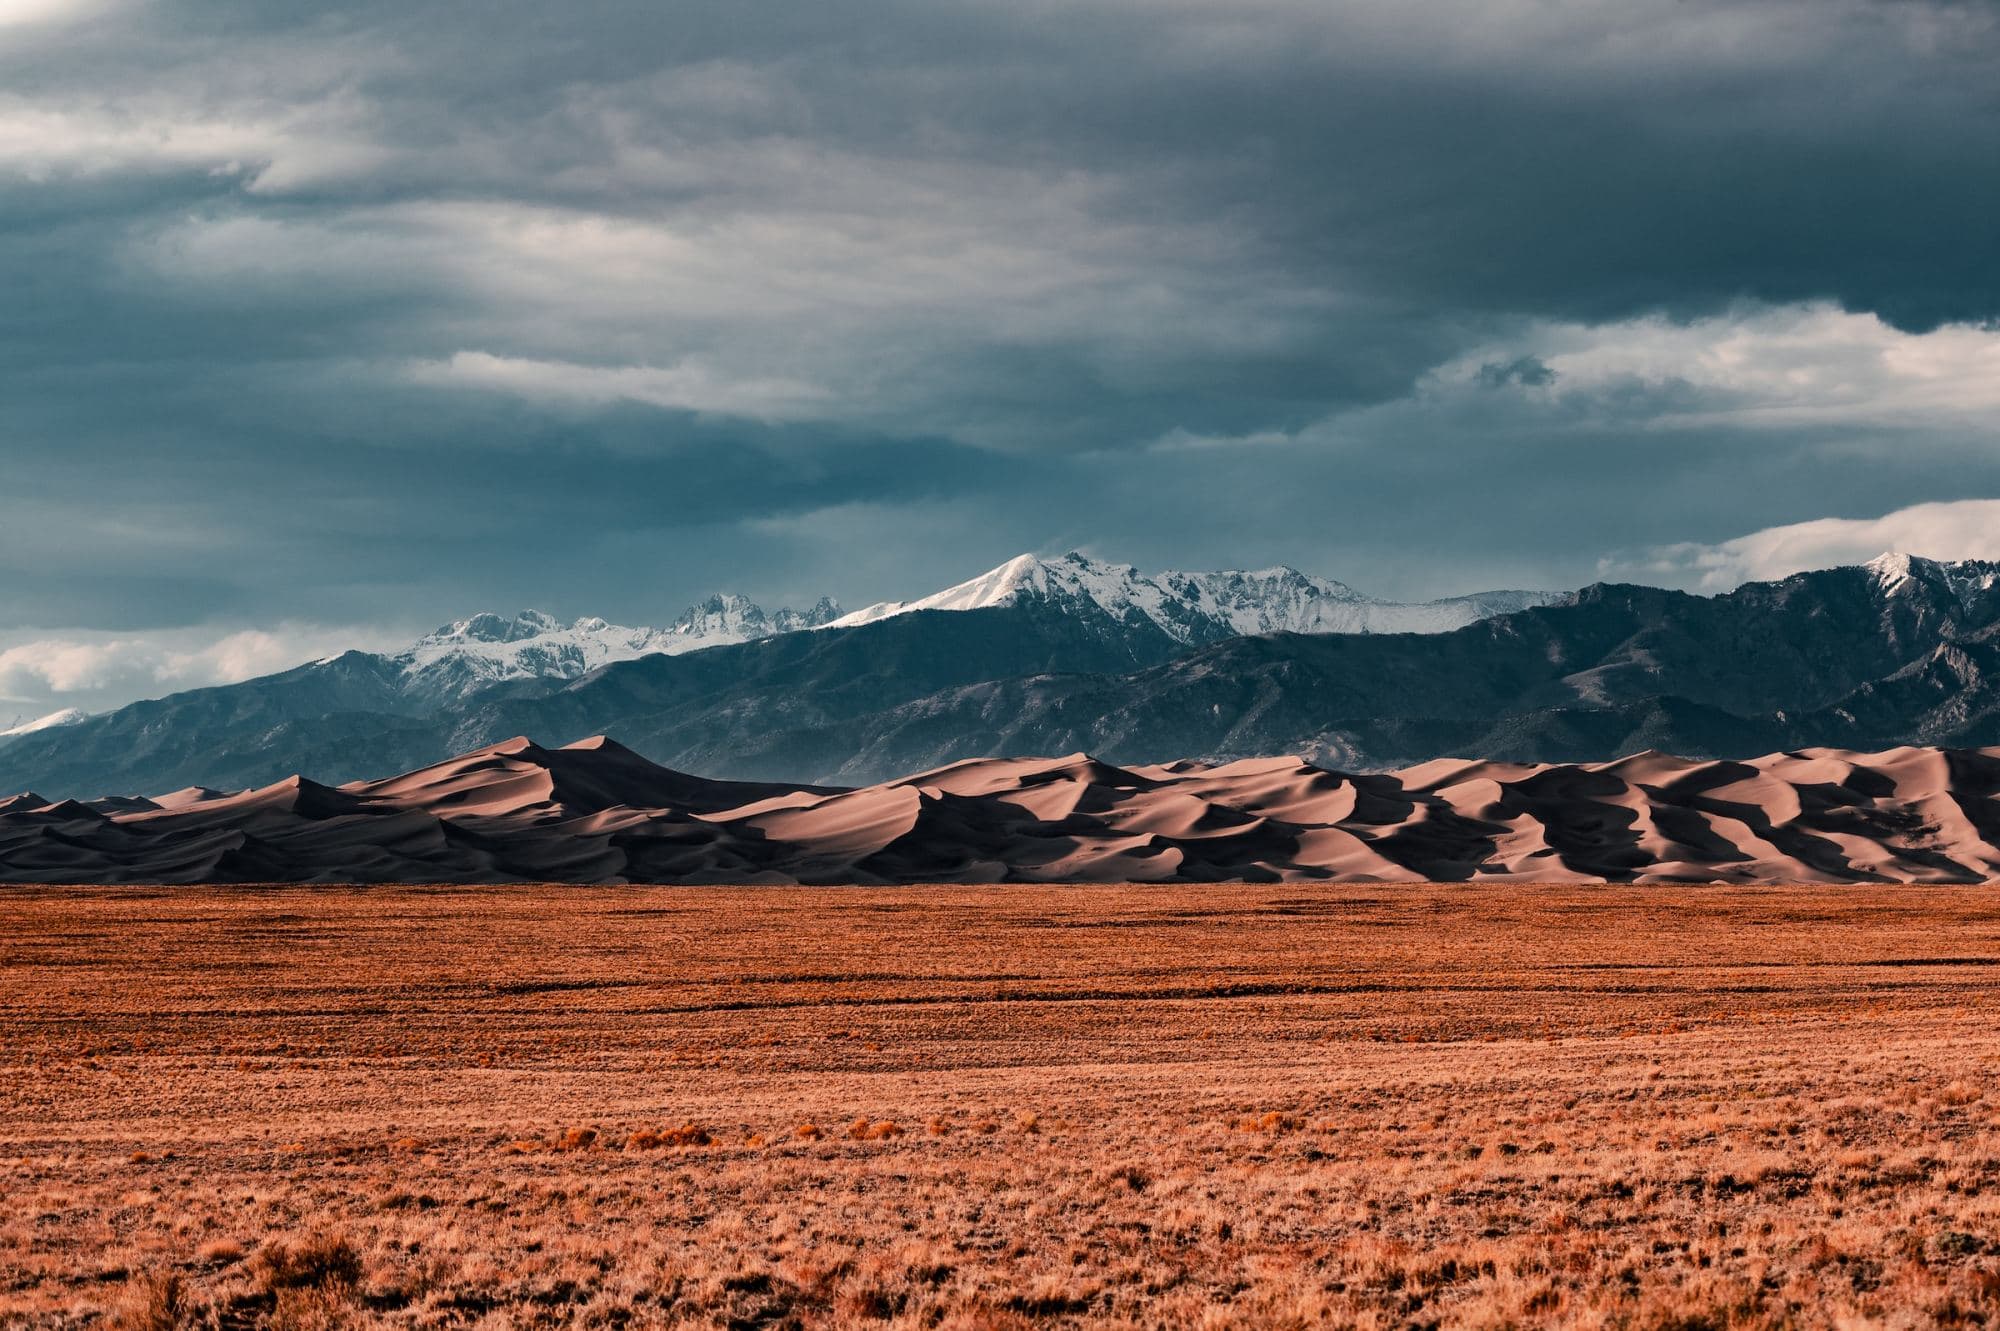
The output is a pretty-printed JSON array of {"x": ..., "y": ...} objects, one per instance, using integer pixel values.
[{"x": 1000, "y": 1107}]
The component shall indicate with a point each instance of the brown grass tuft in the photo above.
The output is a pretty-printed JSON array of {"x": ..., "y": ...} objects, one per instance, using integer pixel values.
[
  {"x": 320, "y": 1260},
  {"x": 687, "y": 1134},
  {"x": 153, "y": 1301},
  {"x": 862, "y": 1130},
  {"x": 219, "y": 1252},
  {"x": 1960, "y": 1093}
]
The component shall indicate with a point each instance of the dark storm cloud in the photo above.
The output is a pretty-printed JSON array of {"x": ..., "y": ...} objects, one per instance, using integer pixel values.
[{"x": 375, "y": 313}]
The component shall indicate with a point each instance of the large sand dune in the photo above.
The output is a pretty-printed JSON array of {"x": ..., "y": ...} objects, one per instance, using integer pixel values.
[{"x": 595, "y": 812}]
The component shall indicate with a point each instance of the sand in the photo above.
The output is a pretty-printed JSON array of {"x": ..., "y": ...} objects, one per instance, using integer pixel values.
[{"x": 595, "y": 812}]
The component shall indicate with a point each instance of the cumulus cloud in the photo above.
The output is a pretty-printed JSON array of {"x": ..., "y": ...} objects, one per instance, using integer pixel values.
[
  {"x": 28, "y": 13},
  {"x": 1947, "y": 530},
  {"x": 38, "y": 141},
  {"x": 1784, "y": 367},
  {"x": 100, "y": 669}
]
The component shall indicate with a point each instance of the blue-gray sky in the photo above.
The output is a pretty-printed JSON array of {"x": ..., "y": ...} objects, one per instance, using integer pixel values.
[{"x": 321, "y": 324}]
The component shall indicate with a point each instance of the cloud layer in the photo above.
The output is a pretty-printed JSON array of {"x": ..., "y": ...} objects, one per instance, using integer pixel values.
[
  {"x": 1961, "y": 529},
  {"x": 94, "y": 671},
  {"x": 376, "y": 314}
]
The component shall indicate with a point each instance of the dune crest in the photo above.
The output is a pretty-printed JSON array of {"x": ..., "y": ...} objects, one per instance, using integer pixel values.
[{"x": 596, "y": 812}]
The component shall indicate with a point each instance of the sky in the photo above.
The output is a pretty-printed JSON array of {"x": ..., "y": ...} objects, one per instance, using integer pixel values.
[{"x": 321, "y": 325}]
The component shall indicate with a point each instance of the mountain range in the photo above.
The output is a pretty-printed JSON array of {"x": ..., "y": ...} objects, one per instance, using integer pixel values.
[
  {"x": 361, "y": 711},
  {"x": 1063, "y": 655},
  {"x": 1196, "y": 608},
  {"x": 470, "y": 655},
  {"x": 596, "y": 812}
]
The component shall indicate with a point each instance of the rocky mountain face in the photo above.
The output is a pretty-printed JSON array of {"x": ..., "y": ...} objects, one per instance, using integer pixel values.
[
  {"x": 356, "y": 712},
  {"x": 1061, "y": 656},
  {"x": 1864, "y": 657}
]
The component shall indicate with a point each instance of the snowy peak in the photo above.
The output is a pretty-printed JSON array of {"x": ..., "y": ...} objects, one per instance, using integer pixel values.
[
  {"x": 1005, "y": 585},
  {"x": 491, "y": 628},
  {"x": 489, "y": 648},
  {"x": 1114, "y": 588},
  {"x": 1204, "y": 607},
  {"x": 722, "y": 617},
  {"x": 1896, "y": 574},
  {"x": 471, "y": 654},
  {"x": 727, "y": 617},
  {"x": 823, "y": 612},
  {"x": 68, "y": 716}
]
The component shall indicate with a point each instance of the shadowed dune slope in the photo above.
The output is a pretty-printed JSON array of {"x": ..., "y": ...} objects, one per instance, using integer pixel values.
[{"x": 596, "y": 812}]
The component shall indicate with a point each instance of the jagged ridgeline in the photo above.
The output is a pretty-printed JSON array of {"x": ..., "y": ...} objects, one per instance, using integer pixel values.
[
  {"x": 364, "y": 712},
  {"x": 1066, "y": 655}
]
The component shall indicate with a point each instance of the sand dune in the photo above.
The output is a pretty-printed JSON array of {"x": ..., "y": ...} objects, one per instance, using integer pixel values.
[{"x": 595, "y": 812}]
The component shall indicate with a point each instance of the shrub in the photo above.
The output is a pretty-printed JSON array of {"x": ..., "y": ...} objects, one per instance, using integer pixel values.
[
  {"x": 1960, "y": 1093},
  {"x": 154, "y": 1301},
  {"x": 862, "y": 1130},
  {"x": 1133, "y": 1177},
  {"x": 318, "y": 1261},
  {"x": 319, "y": 1309},
  {"x": 687, "y": 1134},
  {"x": 219, "y": 1252}
]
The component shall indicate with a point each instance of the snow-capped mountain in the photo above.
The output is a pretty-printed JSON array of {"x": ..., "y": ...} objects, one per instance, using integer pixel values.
[
  {"x": 1070, "y": 654},
  {"x": 471, "y": 654},
  {"x": 729, "y": 618},
  {"x": 68, "y": 716},
  {"x": 468, "y": 655},
  {"x": 1206, "y": 607},
  {"x": 1967, "y": 580}
]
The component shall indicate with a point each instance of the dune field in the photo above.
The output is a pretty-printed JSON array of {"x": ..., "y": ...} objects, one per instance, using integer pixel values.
[
  {"x": 596, "y": 812},
  {"x": 1260, "y": 1106}
]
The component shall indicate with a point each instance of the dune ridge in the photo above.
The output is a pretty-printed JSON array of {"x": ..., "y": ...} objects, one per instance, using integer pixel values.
[{"x": 596, "y": 812}]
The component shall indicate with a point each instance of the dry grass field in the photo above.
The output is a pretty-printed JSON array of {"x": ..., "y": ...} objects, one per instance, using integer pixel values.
[{"x": 1175, "y": 1107}]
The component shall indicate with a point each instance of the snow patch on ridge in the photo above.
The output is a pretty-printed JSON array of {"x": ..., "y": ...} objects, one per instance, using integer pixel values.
[
  {"x": 490, "y": 649},
  {"x": 1193, "y": 607},
  {"x": 68, "y": 716},
  {"x": 1894, "y": 573}
]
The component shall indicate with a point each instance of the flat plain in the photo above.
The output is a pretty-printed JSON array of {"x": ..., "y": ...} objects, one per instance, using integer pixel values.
[{"x": 1218, "y": 1106}]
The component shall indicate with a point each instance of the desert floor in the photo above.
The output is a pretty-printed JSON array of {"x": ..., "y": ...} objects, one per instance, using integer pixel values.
[{"x": 994, "y": 1107}]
